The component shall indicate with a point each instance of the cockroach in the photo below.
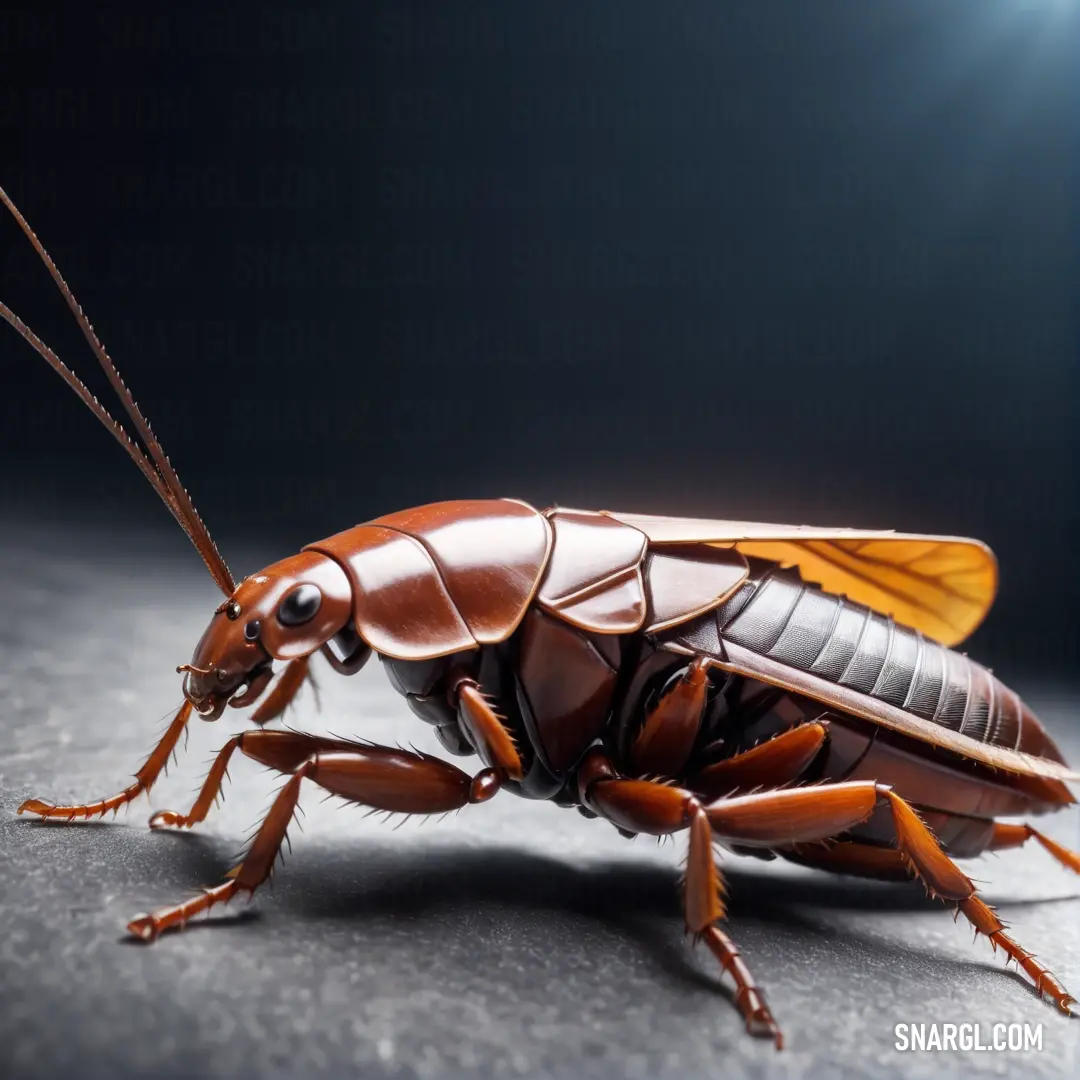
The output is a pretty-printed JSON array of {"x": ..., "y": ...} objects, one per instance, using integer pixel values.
[{"x": 778, "y": 690}]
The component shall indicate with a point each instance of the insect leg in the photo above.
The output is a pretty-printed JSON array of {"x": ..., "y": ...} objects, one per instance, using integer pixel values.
[
  {"x": 748, "y": 995},
  {"x": 942, "y": 876},
  {"x": 207, "y": 795},
  {"x": 851, "y": 857},
  {"x": 144, "y": 779},
  {"x": 494, "y": 743},
  {"x": 284, "y": 751},
  {"x": 665, "y": 740},
  {"x": 794, "y": 816},
  {"x": 648, "y": 806},
  {"x": 770, "y": 764},
  {"x": 1010, "y": 836},
  {"x": 781, "y": 818},
  {"x": 288, "y": 685},
  {"x": 292, "y": 678},
  {"x": 377, "y": 776}
]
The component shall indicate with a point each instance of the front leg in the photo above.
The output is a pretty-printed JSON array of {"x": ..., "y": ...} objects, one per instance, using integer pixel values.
[
  {"x": 377, "y": 776},
  {"x": 292, "y": 678},
  {"x": 144, "y": 779},
  {"x": 494, "y": 743},
  {"x": 288, "y": 684},
  {"x": 288, "y": 750}
]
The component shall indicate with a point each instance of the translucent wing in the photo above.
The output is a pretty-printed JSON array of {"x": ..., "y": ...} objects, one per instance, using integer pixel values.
[{"x": 941, "y": 585}]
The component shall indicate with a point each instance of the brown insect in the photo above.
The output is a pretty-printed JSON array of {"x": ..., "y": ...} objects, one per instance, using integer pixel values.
[{"x": 780, "y": 690}]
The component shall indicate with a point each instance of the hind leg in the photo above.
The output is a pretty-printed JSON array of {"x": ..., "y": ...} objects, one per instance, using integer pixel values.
[
  {"x": 380, "y": 777},
  {"x": 802, "y": 815},
  {"x": 1012, "y": 836}
]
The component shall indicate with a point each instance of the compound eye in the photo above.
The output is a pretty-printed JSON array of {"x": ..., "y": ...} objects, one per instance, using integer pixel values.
[
  {"x": 251, "y": 630},
  {"x": 299, "y": 606}
]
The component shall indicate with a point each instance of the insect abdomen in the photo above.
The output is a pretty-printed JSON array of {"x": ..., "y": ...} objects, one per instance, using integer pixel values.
[{"x": 778, "y": 615}]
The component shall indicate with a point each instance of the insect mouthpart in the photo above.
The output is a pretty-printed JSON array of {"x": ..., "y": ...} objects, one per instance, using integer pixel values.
[
  {"x": 210, "y": 689},
  {"x": 253, "y": 685}
]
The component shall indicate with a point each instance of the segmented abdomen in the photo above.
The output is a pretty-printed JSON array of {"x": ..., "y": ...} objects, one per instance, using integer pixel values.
[{"x": 777, "y": 614}]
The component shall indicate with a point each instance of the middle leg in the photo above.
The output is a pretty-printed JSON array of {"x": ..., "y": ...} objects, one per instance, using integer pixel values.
[
  {"x": 647, "y": 806},
  {"x": 283, "y": 751},
  {"x": 777, "y": 761}
]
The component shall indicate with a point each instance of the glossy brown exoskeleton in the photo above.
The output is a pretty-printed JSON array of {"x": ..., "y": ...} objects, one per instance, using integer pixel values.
[{"x": 769, "y": 688}]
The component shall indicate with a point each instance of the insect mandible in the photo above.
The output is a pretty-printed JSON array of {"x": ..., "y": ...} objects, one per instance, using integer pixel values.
[{"x": 778, "y": 690}]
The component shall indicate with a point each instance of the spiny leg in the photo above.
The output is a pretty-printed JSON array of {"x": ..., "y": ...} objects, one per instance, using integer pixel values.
[
  {"x": 649, "y": 807},
  {"x": 292, "y": 678},
  {"x": 144, "y": 779},
  {"x": 493, "y": 741},
  {"x": 664, "y": 743},
  {"x": 289, "y": 682},
  {"x": 943, "y": 877},
  {"x": 1011, "y": 836},
  {"x": 377, "y": 776},
  {"x": 748, "y": 996},
  {"x": 772, "y": 763},
  {"x": 801, "y": 815},
  {"x": 275, "y": 703},
  {"x": 851, "y": 857},
  {"x": 284, "y": 751},
  {"x": 775, "y": 819}
]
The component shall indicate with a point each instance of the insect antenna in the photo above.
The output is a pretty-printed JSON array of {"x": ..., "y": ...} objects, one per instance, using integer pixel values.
[{"x": 156, "y": 468}]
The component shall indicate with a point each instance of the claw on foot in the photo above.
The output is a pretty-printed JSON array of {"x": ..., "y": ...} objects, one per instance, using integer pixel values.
[
  {"x": 84, "y": 810},
  {"x": 762, "y": 1027},
  {"x": 149, "y": 927},
  {"x": 144, "y": 927},
  {"x": 166, "y": 819},
  {"x": 759, "y": 1021}
]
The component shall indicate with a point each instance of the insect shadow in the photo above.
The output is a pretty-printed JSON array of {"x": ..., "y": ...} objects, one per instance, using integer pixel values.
[
  {"x": 640, "y": 902},
  {"x": 419, "y": 881}
]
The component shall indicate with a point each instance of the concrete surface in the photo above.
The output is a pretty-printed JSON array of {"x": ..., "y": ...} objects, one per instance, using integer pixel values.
[{"x": 515, "y": 939}]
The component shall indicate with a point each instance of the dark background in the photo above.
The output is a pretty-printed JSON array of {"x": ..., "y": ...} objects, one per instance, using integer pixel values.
[
  {"x": 806, "y": 261},
  {"x": 810, "y": 262}
]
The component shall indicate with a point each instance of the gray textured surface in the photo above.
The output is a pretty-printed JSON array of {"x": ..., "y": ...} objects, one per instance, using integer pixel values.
[{"x": 514, "y": 939}]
